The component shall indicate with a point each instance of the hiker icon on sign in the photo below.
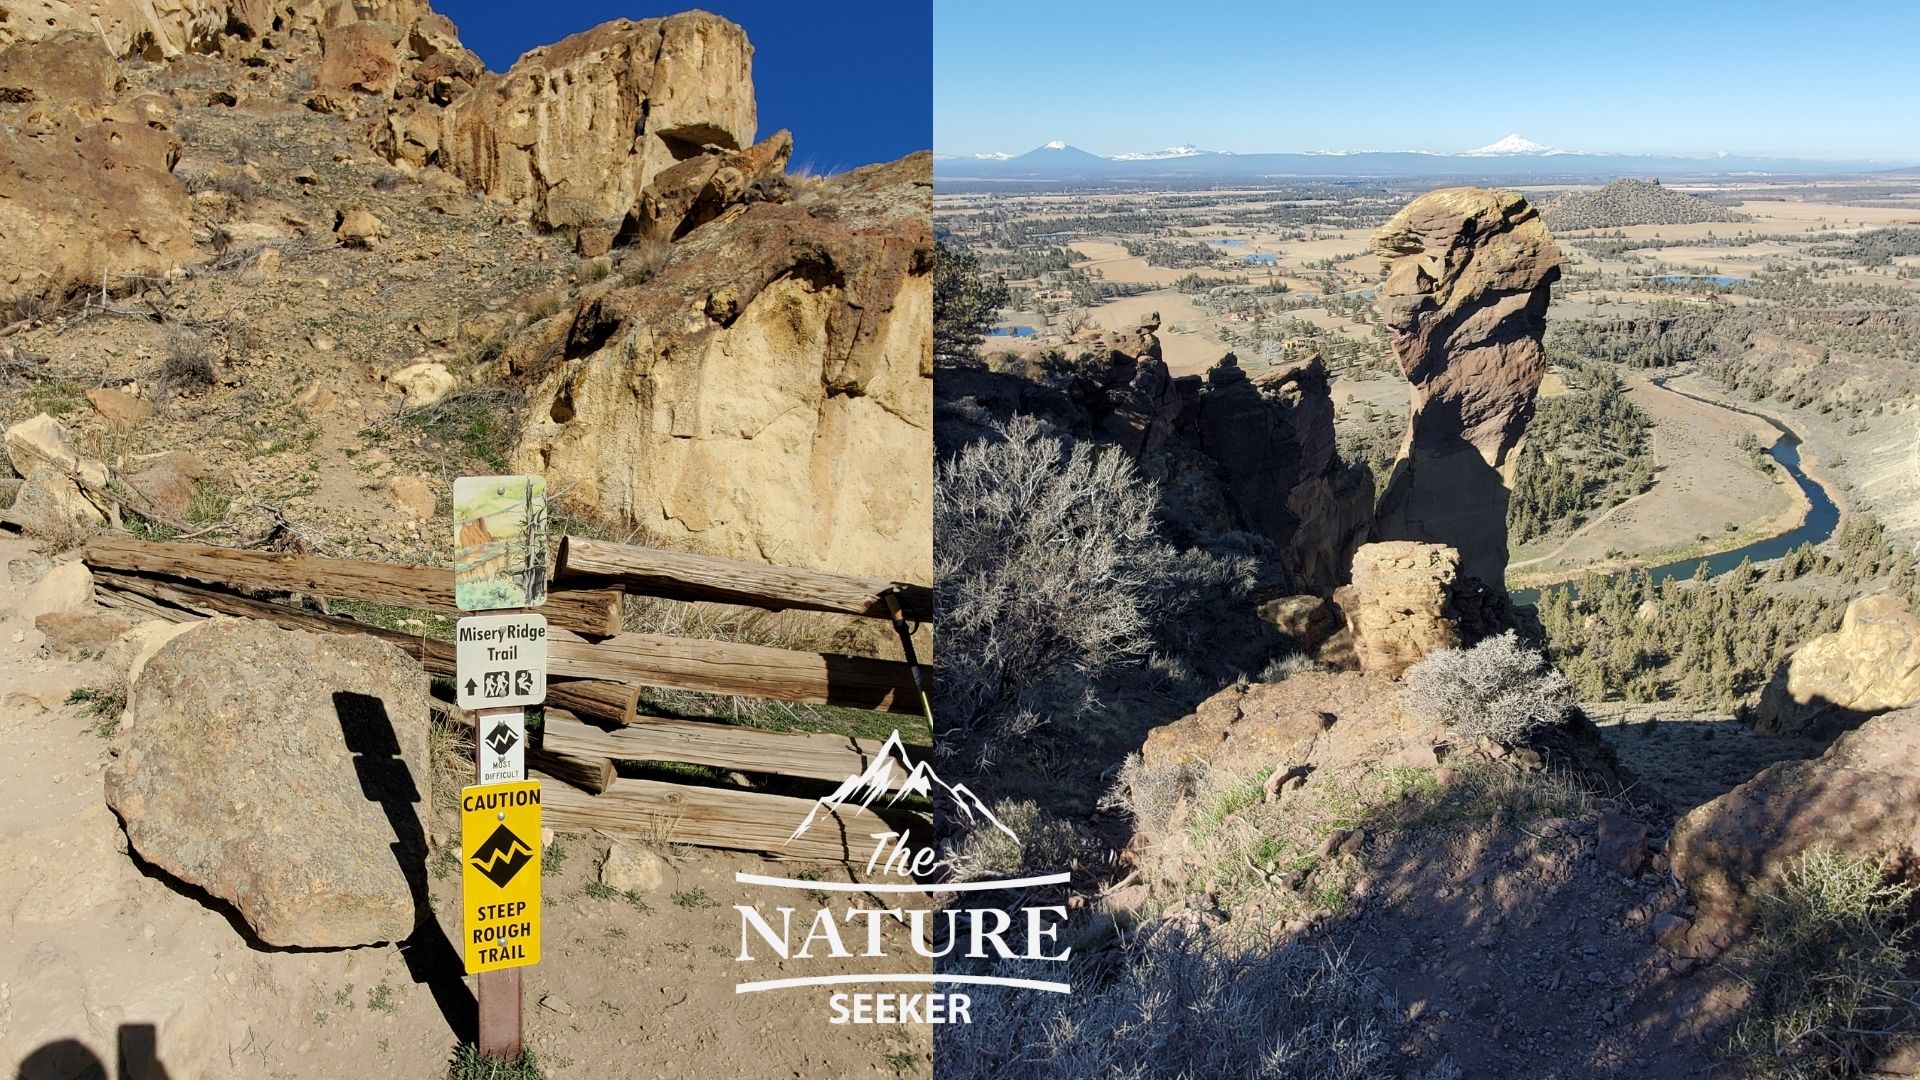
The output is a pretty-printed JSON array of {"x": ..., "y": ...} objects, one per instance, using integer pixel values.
[
  {"x": 522, "y": 683},
  {"x": 496, "y": 684}
]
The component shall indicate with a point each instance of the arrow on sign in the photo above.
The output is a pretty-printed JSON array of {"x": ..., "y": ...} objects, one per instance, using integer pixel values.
[{"x": 471, "y": 687}]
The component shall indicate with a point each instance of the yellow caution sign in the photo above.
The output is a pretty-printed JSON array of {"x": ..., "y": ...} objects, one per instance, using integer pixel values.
[{"x": 500, "y": 884}]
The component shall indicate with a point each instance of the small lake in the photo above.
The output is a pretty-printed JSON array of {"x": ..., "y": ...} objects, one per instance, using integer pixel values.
[
  {"x": 1823, "y": 516},
  {"x": 1262, "y": 260},
  {"x": 1227, "y": 243},
  {"x": 1011, "y": 331}
]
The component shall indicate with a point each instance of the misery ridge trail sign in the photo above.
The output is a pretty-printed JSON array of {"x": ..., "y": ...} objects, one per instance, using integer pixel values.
[{"x": 500, "y": 668}]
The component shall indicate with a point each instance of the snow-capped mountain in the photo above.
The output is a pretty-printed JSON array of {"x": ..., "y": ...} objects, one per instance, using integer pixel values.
[
  {"x": 1183, "y": 150},
  {"x": 892, "y": 771},
  {"x": 1512, "y": 144}
]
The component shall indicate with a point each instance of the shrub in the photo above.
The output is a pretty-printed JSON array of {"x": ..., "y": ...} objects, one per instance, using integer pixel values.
[
  {"x": 1045, "y": 844},
  {"x": 1183, "y": 1004},
  {"x": 1046, "y": 560},
  {"x": 1498, "y": 689},
  {"x": 186, "y": 360},
  {"x": 1831, "y": 970}
]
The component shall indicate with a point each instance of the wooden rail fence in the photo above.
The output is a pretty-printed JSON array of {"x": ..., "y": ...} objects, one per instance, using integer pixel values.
[{"x": 597, "y": 670}]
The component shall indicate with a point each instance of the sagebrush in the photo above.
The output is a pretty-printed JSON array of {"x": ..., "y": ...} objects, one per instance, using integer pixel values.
[
  {"x": 1046, "y": 563},
  {"x": 1498, "y": 689}
]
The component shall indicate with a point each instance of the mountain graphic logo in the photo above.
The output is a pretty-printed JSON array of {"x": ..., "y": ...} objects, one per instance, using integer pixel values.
[
  {"x": 502, "y": 738},
  {"x": 502, "y": 856},
  {"x": 894, "y": 774}
]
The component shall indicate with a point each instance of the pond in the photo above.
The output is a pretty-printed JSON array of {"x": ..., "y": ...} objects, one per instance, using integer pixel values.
[
  {"x": 1011, "y": 331},
  {"x": 1262, "y": 260}
]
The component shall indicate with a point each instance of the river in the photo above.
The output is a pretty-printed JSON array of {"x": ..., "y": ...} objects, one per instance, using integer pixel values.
[{"x": 1823, "y": 515}]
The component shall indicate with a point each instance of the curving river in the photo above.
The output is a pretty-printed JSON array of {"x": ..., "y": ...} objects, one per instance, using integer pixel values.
[{"x": 1823, "y": 515}]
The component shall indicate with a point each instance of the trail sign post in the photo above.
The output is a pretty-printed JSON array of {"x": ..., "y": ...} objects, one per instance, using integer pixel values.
[{"x": 500, "y": 562}]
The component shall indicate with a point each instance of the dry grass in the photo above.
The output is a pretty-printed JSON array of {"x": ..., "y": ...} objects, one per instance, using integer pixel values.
[{"x": 1832, "y": 972}]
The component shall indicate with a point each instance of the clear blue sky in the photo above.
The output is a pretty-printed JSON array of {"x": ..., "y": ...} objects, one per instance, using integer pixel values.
[
  {"x": 1828, "y": 80},
  {"x": 850, "y": 79}
]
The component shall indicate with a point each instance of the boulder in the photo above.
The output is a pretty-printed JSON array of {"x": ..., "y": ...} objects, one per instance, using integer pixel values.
[
  {"x": 133, "y": 649},
  {"x": 87, "y": 629},
  {"x": 42, "y": 441},
  {"x": 1400, "y": 604},
  {"x": 412, "y": 495},
  {"x": 578, "y": 129},
  {"x": 424, "y": 383},
  {"x": 1862, "y": 797},
  {"x": 118, "y": 406},
  {"x": 1469, "y": 272},
  {"x": 355, "y": 227},
  {"x": 167, "y": 481},
  {"x": 1870, "y": 665},
  {"x": 285, "y": 773},
  {"x": 632, "y": 868},
  {"x": 67, "y": 587},
  {"x": 691, "y": 193},
  {"x": 50, "y": 505},
  {"x": 1305, "y": 620}
]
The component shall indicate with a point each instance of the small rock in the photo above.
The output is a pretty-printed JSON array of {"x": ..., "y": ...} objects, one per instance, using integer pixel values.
[
  {"x": 1622, "y": 843},
  {"x": 355, "y": 227},
  {"x": 632, "y": 868},
  {"x": 556, "y": 1004},
  {"x": 424, "y": 383}
]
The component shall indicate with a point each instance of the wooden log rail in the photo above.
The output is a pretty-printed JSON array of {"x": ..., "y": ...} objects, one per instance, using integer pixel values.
[
  {"x": 167, "y": 599},
  {"x": 727, "y": 667},
  {"x": 592, "y": 611},
  {"x": 721, "y": 746},
  {"x": 723, "y": 818},
  {"x": 677, "y": 575}
]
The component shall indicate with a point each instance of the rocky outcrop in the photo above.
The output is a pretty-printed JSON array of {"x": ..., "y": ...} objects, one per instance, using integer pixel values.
[
  {"x": 576, "y": 130},
  {"x": 285, "y": 773},
  {"x": 1862, "y": 797},
  {"x": 1272, "y": 437},
  {"x": 1870, "y": 665},
  {"x": 1465, "y": 299},
  {"x": 687, "y": 195},
  {"x": 162, "y": 29},
  {"x": 1399, "y": 606},
  {"x": 86, "y": 183},
  {"x": 764, "y": 394}
]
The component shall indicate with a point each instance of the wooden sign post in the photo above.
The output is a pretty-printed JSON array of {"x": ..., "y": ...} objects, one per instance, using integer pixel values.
[{"x": 500, "y": 566}]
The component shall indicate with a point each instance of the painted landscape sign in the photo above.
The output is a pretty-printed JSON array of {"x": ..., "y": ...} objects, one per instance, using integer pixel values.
[{"x": 499, "y": 542}]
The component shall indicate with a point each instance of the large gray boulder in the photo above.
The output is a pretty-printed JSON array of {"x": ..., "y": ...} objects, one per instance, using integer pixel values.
[{"x": 286, "y": 773}]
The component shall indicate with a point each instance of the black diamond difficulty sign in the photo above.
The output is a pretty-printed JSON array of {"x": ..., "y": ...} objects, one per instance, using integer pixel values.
[
  {"x": 502, "y": 738},
  {"x": 502, "y": 856}
]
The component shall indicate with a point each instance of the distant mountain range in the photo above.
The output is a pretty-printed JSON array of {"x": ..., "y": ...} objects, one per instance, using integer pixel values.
[{"x": 1511, "y": 157}]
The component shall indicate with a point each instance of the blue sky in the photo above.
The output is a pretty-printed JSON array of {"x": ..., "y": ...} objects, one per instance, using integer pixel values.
[
  {"x": 1830, "y": 80},
  {"x": 849, "y": 78}
]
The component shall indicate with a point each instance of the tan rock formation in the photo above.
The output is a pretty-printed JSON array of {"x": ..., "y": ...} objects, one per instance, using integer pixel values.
[
  {"x": 1862, "y": 797},
  {"x": 83, "y": 187},
  {"x": 160, "y": 29},
  {"x": 1870, "y": 665},
  {"x": 765, "y": 394},
  {"x": 693, "y": 192},
  {"x": 1468, "y": 277},
  {"x": 578, "y": 129},
  {"x": 1400, "y": 605}
]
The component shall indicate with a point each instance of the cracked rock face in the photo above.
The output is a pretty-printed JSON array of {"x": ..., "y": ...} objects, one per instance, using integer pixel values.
[
  {"x": 764, "y": 392},
  {"x": 1469, "y": 272}
]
